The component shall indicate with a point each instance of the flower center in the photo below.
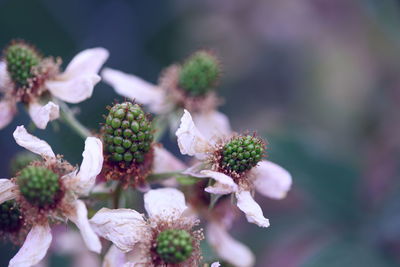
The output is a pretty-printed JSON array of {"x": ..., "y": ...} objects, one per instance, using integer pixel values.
[
  {"x": 174, "y": 246},
  {"x": 38, "y": 185},
  {"x": 199, "y": 73},
  {"x": 10, "y": 216},
  {"x": 21, "y": 58},
  {"x": 242, "y": 153},
  {"x": 128, "y": 134}
]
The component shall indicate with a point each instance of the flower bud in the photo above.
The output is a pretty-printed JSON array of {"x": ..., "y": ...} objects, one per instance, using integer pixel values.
[
  {"x": 21, "y": 59},
  {"x": 174, "y": 246},
  {"x": 39, "y": 186},
  {"x": 199, "y": 73}
]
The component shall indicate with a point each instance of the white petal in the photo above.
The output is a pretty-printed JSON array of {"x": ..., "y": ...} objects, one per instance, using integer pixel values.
[
  {"x": 5, "y": 81},
  {"x": 190, "y": 141},
  {"x": 41, "y": 115},
  {"x": 114, "y": 258},
  {"x": 254, "y": 214},
  {"x": 228, "y": 248},
  {"x": 215, "y": 264},
  {"x": 7, "y": 190},
  {"x": 91, "y": 165},
  {"x": 164, "y": 161},
  {"x": 123, "y": 227},
  {"x": 138, "y": 256},
  {"x": 133, "y": 87},
  {"x": 271, "y": 180},
  {"x": 34, "y": 248},
  {"x": 79, "y": 217},
  {"x": 212, "y": 124},
  {"x": 32, "y": 143},
  {"x": 73, "y": 89},
  {"x": 8, "y": 109},
  {"x": 87, "y": 62},
  {"x": 224, "y": 184},
  {"x": 164, "y": 203}
]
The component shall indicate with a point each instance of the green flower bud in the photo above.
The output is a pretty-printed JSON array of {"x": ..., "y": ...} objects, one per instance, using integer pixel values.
[
  {"x": 130, "y": 138},
  {"x": 21, "y": 58},
  {"x": 10, "y": 216},
  {"x": 174, "y": 246},
  {"x": 21, "y": 160},
  {"x": 199, "y": 74},
  {"x": 242, "y": 153},
  {"x": 38, "y": 185}
]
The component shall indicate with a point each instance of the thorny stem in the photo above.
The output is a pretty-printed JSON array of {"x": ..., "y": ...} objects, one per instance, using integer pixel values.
[{"x": 68, "y": 117}]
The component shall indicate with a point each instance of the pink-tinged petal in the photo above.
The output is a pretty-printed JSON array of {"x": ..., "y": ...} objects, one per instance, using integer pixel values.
[
  {"x": 7, "y": 190},
  {"x": 87, "y": 62},
  {"x": 79, "y": 217},
  {"x": 138, "y": 256},
  {"x": 133, "y": 87},
  {"x": 123, "y": 227},
  {"x": 32, "y": 143},
  {"x": 224, "y": 184},
  {"x": 164, "y": 161},
  {"x": 190, "y": 141},
  {"x": 34, "y": 248},
  {"x": 271, "y": 180},
  {"x": 228, "y": 248},
  {"x": 91, "y": 166},
  {"x": 5, "y": 81},
  {"x": 254, "y": 214},
  {"x": 8, "y": 109},
  {"x": 164, "y": 203},
  {"x": 41, "y": 115},
  {"x": 73, "y": 89},
  {"x": 212, "y": 124},
  {"x": 114, "y": 258}
]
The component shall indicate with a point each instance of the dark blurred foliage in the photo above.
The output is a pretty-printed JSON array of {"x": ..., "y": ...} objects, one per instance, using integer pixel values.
[{"x": 318, "y": 78}]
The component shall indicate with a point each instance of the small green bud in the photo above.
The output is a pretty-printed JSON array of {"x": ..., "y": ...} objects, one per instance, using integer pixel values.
[
  {"x": 174, "y": 246},
  {"x": 130, "y": 137},
  {"x": 242, "y": 153},
  {"x": 21, "y": 58},
  {"x": 199, "y": 74},
  {"x": 10, "y": 216},
  {"x": 38, "y": 185}
]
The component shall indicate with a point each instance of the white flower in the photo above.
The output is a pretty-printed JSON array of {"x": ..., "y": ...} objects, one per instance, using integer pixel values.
[
  {"x": 268, "y": 178},
  {"x": 162, "y": 100},
  {"x": 75, "y": 183},
  {"x": 74, "y": 85},
  {"x": 134, "y": 236}
]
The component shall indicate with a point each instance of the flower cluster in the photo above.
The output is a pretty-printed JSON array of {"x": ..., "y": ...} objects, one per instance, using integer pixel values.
[{"x": 123, "y": 161}]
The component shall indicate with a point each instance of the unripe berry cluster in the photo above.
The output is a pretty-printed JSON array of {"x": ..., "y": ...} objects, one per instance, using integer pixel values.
[
  {"x": 38, "y": 185},
  {"x": 20, "y": 59},
  {"x": 242, "y": 153},
  {"x": 127, "y": 133},
  {"x": 199, "y": 73},
  {"x": 10, "y": 216},
  {"x": 174, "y": 246}
]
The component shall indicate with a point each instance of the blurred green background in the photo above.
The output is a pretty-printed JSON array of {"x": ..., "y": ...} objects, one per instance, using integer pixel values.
[{"x": 319, "y": 79}]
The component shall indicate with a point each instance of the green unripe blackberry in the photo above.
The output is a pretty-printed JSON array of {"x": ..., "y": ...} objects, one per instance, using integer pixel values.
[
  {"x": 242, "y": 153},
  {"x": 127, "y": 133},
  {"x": 10, "y": 216},
  {"x": 21, "y": 160},
  {"x": 21, "y": 58},
  {"x": 38, "y": 185},
  {"x": 174, "y": 246},
  {"x": 199, "y": 73}
]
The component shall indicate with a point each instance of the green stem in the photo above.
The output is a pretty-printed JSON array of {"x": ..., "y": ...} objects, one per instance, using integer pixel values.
[
  {"x": 68, "y": 117},
  {"x": 116, "y": 196},
  {"x": 162, "y": 176}
]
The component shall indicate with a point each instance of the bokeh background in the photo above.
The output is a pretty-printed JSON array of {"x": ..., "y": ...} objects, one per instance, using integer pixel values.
[{"x": 319, "y": 79}]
